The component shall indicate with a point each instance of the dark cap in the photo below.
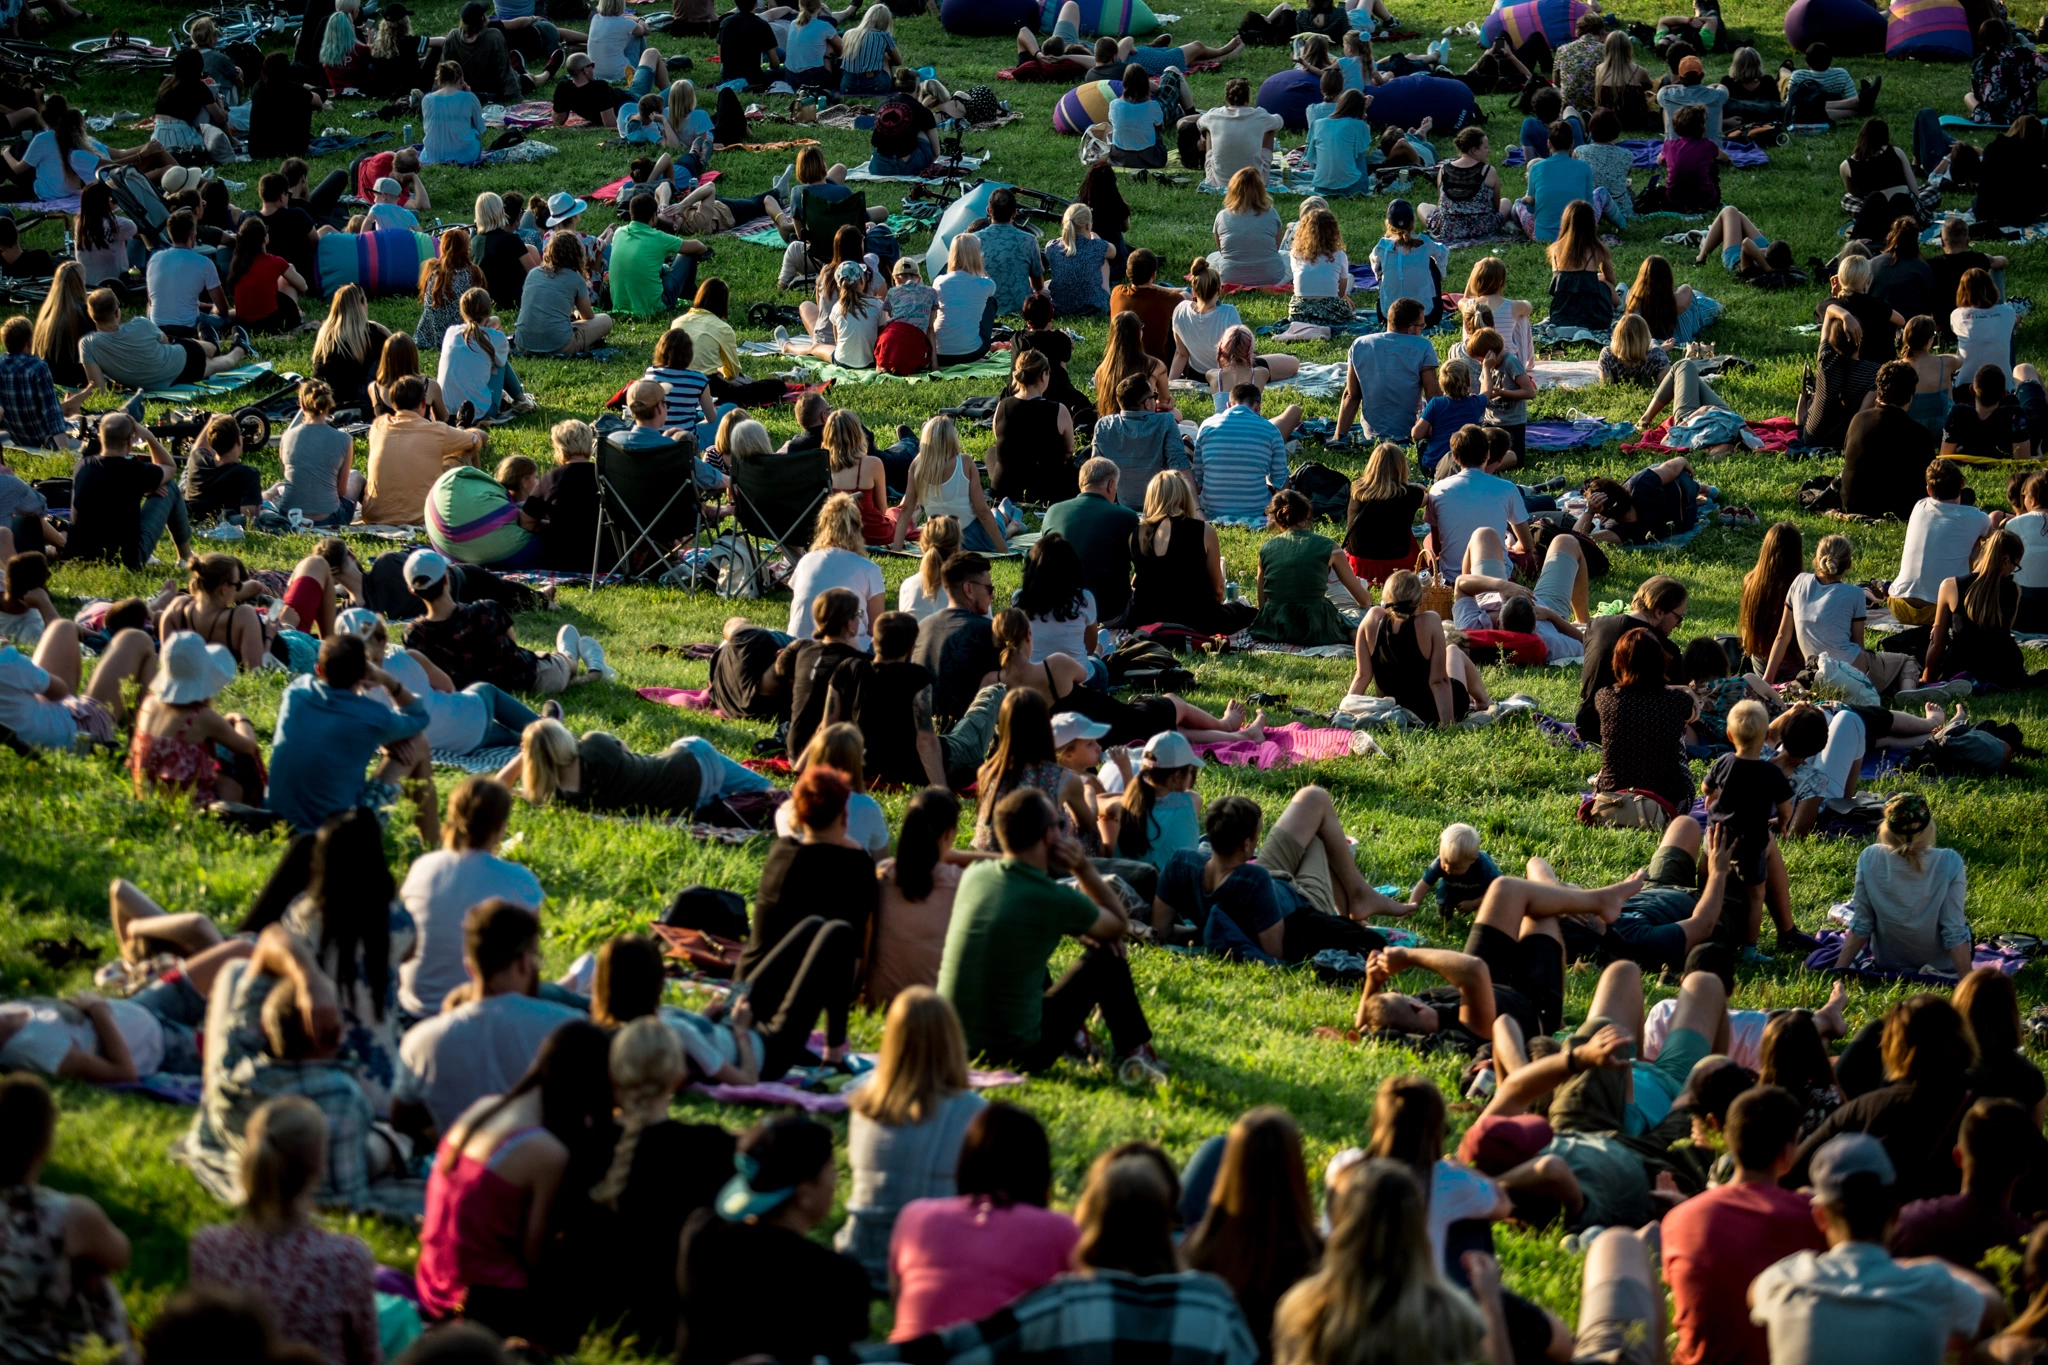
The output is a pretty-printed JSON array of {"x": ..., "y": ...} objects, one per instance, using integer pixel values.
[
  {"x": 1401, "y": 214},
  {"x": 1498, "y": 1143},
  {"x": 473, "y": 13},
  {"x": 393, "y": 12},
  {"x": 1714, "y": 1084}
]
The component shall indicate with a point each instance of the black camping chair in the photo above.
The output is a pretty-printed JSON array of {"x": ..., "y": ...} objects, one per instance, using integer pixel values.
[
  {"x": 822, "y": 221},
  {"x": 646, "y": 499},
  {"x": 775, "y": 498}
]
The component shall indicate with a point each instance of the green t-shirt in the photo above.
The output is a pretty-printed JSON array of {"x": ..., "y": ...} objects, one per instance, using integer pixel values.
[
  {"x": 1007, "y": 919},
  {"x": 638, "y": 253}
]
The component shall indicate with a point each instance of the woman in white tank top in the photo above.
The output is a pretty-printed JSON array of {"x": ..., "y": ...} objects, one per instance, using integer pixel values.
[{"x": 943, "y": 483}]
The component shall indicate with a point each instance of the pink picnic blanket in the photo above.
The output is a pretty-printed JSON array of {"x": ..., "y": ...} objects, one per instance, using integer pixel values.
[
  {"x": 813, "y": 1102},
  {"x": 1284, "y": 746},
  {"x": 694, "y": 698},
  {"x": 1778, "y": 434}
]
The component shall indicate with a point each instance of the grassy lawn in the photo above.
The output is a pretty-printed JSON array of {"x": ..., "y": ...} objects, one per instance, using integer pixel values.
[{"x": 1233, "y": 1036}]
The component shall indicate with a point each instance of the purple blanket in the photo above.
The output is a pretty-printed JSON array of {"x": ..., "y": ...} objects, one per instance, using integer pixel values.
[
  {"x": 1744, "y": 155},
  {"x": 1822, "y": 959}
]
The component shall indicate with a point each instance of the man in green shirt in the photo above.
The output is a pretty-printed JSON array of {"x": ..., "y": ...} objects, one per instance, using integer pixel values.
[
  {"x": 642, "y": 285},
  {"x": 1008, "y": 917},
  {"x": 1099, "y": 528}
]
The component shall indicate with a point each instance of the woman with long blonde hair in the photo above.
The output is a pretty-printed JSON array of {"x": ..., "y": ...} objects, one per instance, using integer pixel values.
[
  {"x": 1379, "y": 520},
  {"x": 599, "y": 773},
  {"x": 1124, "y": 357},
  {"x": 924, "y": 592},
  {"x": 349, "y": 347},
  {"x": 858, "y": 472},
  {"x": 1582, "y": 278},
  {"x": 1248, "y": 233},
  {"x": 276, "y": 1250},
  {"x": 814, "y": 42},
  {"x": 60, "y": 322},
  {"x": 944, "y": 482},
  {"x": 1908, "y": 905},
  {"x": 1378, "y": 1299},
  {"x": 1973, "y": 619},
  {"x": 1322, "y": 271},
  {"x": 907, "y": 1124},
  {"x": 868, "y": 53},
  {"x": 1621, "y": 85},
  {"x": 1077, "y": 265},
  {"x": 965, "y": 322},
  {"x": 1629, "y": 357}
]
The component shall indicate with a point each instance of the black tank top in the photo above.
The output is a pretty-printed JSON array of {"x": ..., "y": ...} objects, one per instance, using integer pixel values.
[{"x": 1400, "y": 670}]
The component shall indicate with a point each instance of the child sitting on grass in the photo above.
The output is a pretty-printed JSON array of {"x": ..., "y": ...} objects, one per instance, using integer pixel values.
[
  {"x": 1460, "y": 872},
  {"x": 25, "y": 606},
  {"x": 1745, "y": 791},
  {"x": 1718, "y": 690},
  {"x": 1077, "y": 745}
]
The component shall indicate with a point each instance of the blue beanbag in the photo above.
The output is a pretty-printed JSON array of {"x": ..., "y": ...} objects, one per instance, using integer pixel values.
[
  {"x": 1289, "y": 94},
  {"x": 1849, "y": 27},
  {"x": 1407, "y": 100},
  {"x": 383, "y": 262}
]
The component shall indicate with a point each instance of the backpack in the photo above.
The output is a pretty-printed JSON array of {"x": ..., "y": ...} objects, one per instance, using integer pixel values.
[
  {"x": 1822, "y": 493},
  {"x": 1327, "y": 491},
  {"x": 981, "y": 104},
  {"x": 729, "y": 124},
  {"x": 709, "y": 908},
  {"x": 1138, "y": 655},
  {"x": 1259, "y": 30}
]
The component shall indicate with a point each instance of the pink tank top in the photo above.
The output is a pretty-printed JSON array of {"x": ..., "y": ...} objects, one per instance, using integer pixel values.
[{"x": 475, "y": 1230}]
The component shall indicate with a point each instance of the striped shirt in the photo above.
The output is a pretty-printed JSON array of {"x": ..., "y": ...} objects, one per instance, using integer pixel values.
[
  {"x": 1240, "y": 459},
  {"x": 685, "y": 396},
  {"x": 870, "y": 53}
]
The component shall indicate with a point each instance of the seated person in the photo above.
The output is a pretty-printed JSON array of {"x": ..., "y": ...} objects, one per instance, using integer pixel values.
[
  {"x": 562, "y": 508},
  {"x": 328, "y": 730},
  {"x": 408, "y": 451},
  {"x": 40, "y": 697},
  {"x": 1996, "y": 425},
  {"x": 1304, "y": 894},
  {"x": 583, "y": 93},
  {"x": 647, "y": 405},
  {"x": 890, "y": 699},
  {"x": 19, "y": 263},
  {"x": 1460, "y": 872},
  {"x": 35, "y": 414},
  {"x": 217, "y": 483},
  {"x": 473, "y": 641}
]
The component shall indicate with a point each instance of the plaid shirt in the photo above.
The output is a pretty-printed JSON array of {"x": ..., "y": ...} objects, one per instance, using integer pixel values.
[
  {"x": 1102, "y": 1318},
  {"x": 28, "y": 401}
]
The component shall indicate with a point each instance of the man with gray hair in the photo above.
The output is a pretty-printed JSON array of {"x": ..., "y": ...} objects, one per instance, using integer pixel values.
[
  {"x": 1099, "y": 526},
  {"x": 122, "y": 504},
  {"x": 1853, "y": 1302}
]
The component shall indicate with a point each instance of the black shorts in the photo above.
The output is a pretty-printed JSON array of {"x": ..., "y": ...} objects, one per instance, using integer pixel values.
[
  {"x": 195, "y": 362},
  {"x": 1877, "y": 724},
  {"x": 1533, "y": 967}
]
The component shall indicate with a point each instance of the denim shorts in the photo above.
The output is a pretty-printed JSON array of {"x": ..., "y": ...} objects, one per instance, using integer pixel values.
[
  {"x": 181, "y": 1012},
  {"x": 920, "y": 157}
]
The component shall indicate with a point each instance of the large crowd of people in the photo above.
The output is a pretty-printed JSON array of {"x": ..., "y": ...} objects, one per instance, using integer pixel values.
[{"x": 384, "y": 1040}]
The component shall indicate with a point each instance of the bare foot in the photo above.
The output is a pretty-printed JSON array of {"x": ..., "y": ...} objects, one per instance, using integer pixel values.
[
  {"x": 1828, "y": 1020},
  {"x": 1938, "y": 716},
  {"x": 1233, "y": 716},
  {"x": 1256, "y": 731},
  {"x": 1613, "y": 897}
]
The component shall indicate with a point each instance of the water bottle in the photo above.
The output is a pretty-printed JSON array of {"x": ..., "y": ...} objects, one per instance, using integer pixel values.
[{"x": 408, "y": 136}]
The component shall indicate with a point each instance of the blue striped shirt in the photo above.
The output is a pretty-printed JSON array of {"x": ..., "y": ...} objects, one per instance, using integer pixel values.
[
  {"x": 685, "y": 395},
  {"x": 1240, "y": 459},
  {"x": 869, "y": 54}
]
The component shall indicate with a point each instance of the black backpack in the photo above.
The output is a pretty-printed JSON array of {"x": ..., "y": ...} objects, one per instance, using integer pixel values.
[
  {"x": 709, "y": 908},
  {"x": 1327, "y": 491}
]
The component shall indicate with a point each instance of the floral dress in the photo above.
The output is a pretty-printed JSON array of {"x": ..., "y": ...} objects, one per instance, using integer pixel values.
[
  {"x": 46, "y": 1313},
  {"x": 175, "y": 762},
  {"x": 2006, "y": 83},
  {"x": 1047, "y": 777},
  {"x": 436, "y": 319},
  {"x": 1466, "y": 213},
  {"x": 1613, "y": 371}
]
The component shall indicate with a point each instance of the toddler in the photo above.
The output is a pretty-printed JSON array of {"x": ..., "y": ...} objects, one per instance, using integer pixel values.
[
  {"x": 1460, "y": 872},
  {"x": 1745, "y": 792}
]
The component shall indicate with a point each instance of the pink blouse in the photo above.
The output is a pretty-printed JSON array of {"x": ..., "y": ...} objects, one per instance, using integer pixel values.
[{"x": 320, "y": 1284}]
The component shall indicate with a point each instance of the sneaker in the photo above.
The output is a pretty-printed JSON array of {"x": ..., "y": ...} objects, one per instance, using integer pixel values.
[
  {"x": 781, "y": 338},
  {"x": 569, "y": 641},
  {"x": 1582, "y": 1239},
  {"x": 244, "y": 345},
  {"x": 592, "y": 653},
  {"x": 551, "y": 709},
  {"x": 525, "y": 404},
  {"x": 1753, "y": 956},
  {"x": 779, "y": 187},
  {"x": 1955, "y": 689},
  {"x": 555, "y": 63}
]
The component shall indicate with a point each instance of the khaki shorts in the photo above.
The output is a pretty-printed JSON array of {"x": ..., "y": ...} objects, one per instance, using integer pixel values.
[
  {"x": 1308, "y": 867},
  {"x": 1910, "y": 611},
  {"x": 553, "y": 672},
  {"x": 1617, "y": 1325}
]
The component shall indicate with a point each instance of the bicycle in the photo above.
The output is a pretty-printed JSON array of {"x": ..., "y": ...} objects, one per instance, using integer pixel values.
[
  {"x": 122, "y": 51},
  {"x": 247, "y": 23},
  {"x": 37, "y": 61}
]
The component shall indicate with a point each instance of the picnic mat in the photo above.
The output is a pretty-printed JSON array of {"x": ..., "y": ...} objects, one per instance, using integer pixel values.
[
  {"x": 1284, "y": 745},
  {"x": 949, "y": 168},
  {"x": 1579, "y": 433},
  {"x": 528, "y": 114},
  {"x": 1643, "y": 151},
  {"x": 227, "y": 381},
  {"x": 988, "y": 367},
  {"x": 610, "y": 192},
  {"x": 692, "y": 698},
  {"x": 1565, "y": 374},
  {"x": 1827, "y": 958},
  {"x": 1778, "y": 434},
  {"x": 477, "y": 760},
  {"x": 827, "y": 1102}
]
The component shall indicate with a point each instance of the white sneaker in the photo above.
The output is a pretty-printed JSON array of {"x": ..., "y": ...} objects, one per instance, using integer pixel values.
[
  {"x": 781, "y": 338},
  {"x": 592, "y": 653},
  {"x": 569, "y": 641}
]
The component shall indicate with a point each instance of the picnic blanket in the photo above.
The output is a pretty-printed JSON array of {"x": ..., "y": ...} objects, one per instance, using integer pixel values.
[
  {"x": 1827, "y": 958},
  {"x": 1316, "y": 380},
  {"x": 1775, "y": 434},
  {"x": 1548, "y": 333},
  {"x": 691, "y": 698},
  {"x": 1643, "y": 152},
  {"x": 950, "y": 168},
  {"x": 1284, "y": 745},
  {"x": 477, "y": 760},
  {"x": 328, "y": 144},
  {"x": 528, "y": 114},
  {"x": 63, "y": 203},
  {"x": 1577, "y": 433},
  {"x": 167, "y": 1089},
  {"x": 827, "y": 1101},
  {"x": 227, "y": 381},
  {"x": 610, "y": 192},
  {"x": 994, "y": 366}
]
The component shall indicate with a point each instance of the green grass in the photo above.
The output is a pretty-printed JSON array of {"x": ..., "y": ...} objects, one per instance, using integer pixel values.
[{"x": 1234, "y": 1036}]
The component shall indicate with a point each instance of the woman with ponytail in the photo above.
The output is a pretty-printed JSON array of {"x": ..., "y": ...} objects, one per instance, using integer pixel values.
[
  {"x": 924, "y": 592},
  {"x": 1824, "y": 619},
  {"x": 1973, "y": 619},
  {"x": 476, "y": 358},
  {"x": 319, "y": 1284},
  {"x": 908, "y": 1122},
  {"x": 1402, "y": 649},
  {"x": 661, "y": 1172}
]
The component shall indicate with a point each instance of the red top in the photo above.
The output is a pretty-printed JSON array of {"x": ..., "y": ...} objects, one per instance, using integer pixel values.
[
  {"x": 475, "y": 1230},
  {"x": 373, "y": 169},
  {"x": 355, "y": 73},
  {"x": 256, "y": 292},
  {"x": 1714, "y": 1245}
]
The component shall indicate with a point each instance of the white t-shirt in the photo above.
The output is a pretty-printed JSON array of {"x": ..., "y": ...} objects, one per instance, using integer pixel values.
[
  {"x": 1467, "y": 501},
  {"x": 1063, "y": 637},
  {"x": 1320, "y": 279},
  {"x": 465, "y": 372},
  {"x": 457, "y": 719},
  {"x": 834, "y": 568},
  {"x": 1745, "y": 1029},
  {"x": 1939, "y": 539},
  {"x": 453, "y": 1060},
  {"x": 1823, "y": 617},
  {"x": 865, "y": 823},
  {"x": 51, "y": 182},
  {"x": 54, "y": 1028},
  {"x": 2032, "y": 529},
  {"x": 34, "y": 718},
  {"x": 439, "y": 890},
  {"x": 1456, "y": 1193},
  {"x": 1237, "y": 139},
  {"x": 1201, "y": 333},
  {"x": 708, "y": 1043},
  {"x": 1983, "y": 337},
  {"x": 911, "y": 597},
  {"x": 610, "y": 34},
  {"x": 853, "y": 338}
]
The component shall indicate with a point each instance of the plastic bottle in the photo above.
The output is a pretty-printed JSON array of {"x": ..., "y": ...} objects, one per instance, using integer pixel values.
[{"x": 408, "y": 136}]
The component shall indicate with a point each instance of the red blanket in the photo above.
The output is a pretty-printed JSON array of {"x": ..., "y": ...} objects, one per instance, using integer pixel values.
[{"x": 1778, "y": 434}]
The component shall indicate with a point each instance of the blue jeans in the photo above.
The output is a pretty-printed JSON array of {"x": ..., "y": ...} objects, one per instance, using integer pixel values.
[
  {"x": 504, "y": 385},
  {"x": 509, "y": 716},
  {"x": 1931, "y": 141},
  {"x": 974, "y": 536},
  {"x": 921, "y": 156},
  {"x": 679, "y": 281},
  {"x": 164, "y": 513},
  {"x": 721, "y": 776}
]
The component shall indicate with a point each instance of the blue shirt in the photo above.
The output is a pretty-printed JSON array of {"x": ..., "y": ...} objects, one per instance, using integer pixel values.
[
  {"x": 1243, "y": 905},
  {"x": 1388, "y": 367},
  {"x": 1010, "y": 257},
  {"x": 1469, "y": 885},
  {"x": 1555, "y": 182},
  {"x": 455, "y": 129},
  {"x": 1341, "y": 148},
  {"x": 325, "y": 738},
  {"x": 1406, "y": 273},
  {"x": 393, "y": 215},
  {"x": 1240, "y": 460},
  {"x": 1445, "y": 415},
  {"x": 1354, "y": 72},
  {"x": 1134, "y": 127}
]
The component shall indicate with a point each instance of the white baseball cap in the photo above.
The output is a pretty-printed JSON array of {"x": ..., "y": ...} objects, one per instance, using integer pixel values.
[
  {"x": 1170, "y": 749},
  {"x": 424, "y": 568},
  {"x": 361, "y": 620},
  {"x": 1069, "y": 726},
  {"x": 386, "y": 185}
]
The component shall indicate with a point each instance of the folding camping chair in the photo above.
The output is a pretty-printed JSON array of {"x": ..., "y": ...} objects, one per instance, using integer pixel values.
[
  {"x": 822, "y": 221},
  {"x": 775, "y": 498},
  {"x": 646, "y": 498}
]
